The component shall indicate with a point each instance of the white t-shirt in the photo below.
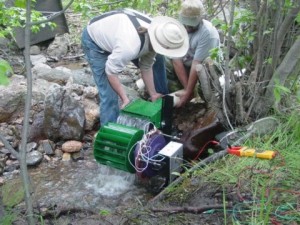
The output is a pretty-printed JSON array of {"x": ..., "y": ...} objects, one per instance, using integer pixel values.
[{"x": 116, "y": 34}]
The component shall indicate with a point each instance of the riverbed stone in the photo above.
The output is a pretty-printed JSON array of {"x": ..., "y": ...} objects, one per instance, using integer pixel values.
[
  {"x": 34, "y": 158},
  {"x": 66, "y": 157},
  {"x": 72, "y": 146},
  {"x": 64, "y": 117}
]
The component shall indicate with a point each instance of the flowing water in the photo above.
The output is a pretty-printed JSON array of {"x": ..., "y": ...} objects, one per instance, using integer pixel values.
[{"x": 84, "y": 184}]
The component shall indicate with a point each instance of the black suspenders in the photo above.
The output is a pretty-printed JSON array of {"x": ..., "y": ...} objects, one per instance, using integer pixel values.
[{"x": 131, "y": 15}]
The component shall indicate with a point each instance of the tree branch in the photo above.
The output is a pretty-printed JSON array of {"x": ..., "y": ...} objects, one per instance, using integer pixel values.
[
  {"x": 53, "y": 16},
  {"x": 9, "y": 147},
  {"x": 195, "y": 210}
]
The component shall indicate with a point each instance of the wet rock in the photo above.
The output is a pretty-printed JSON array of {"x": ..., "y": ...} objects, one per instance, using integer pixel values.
[
  {"x": 91, "y": 113},
  {"x": 39, "y": 90},
  {"x": 46, "y": 146},
  {"x": 36, "y": 130},
  {"x": 77, "y": 156},
  {"x": 90, "y": 92},
  {"x": 83, "y": 77},
  {"x": 12, "y": 98},
  {"x": 66, "y": 157},
  {"x": 35, "y": 50},
  {"x": 4, "y": 151},
  {"x": 64, "y": 117},
  {"x": 34, "y": 158},
  {"x": 39, "y": 68},
  {"x": 72, "y": 146},
  {"x": 4, "y": 43},
  {"x": 38, "y": 59},
  {"x": 58, "y": 153},
  {"x": 59, "y": 47},
  {"x": 31, "y": 146},
  {"x": 2, "y": 165},
  {"x": 11, "y": 165},
  {"x": 55, "y": 75}
]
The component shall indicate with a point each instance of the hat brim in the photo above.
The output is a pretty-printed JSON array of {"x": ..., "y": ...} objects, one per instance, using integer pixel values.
[
  {"x": 189, "y": 21},
  {"x": 158, "y": 48}
]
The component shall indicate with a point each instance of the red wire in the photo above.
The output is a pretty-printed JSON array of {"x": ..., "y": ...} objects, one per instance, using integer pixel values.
[{"x": 203, "y": 148}]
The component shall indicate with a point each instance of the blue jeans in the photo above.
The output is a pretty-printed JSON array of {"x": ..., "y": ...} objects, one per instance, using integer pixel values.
[
  {"x": 159, "y": 74},
  {"x": 97, "y": 57}
]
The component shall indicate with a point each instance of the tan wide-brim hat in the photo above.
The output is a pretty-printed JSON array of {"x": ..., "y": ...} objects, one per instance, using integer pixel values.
[{"x": 168, "y": 37}]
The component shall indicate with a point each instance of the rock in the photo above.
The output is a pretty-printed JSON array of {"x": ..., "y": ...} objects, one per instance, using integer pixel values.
[
  {"x": 91, "y": 109},
  {"x": 72, "y": 146},
  {"x": 46, "y": 146},
  {"x": 37, "y": 59},
  {"x": 58, "y": 153},
  {"x": 34, "y": 158},
  {"x": 64, "y": 117},
  {"x": 59, "y": 47},
  {"x": 77, "y": 156},
  {"x": 66, "y": 156},
  {"x": 35, "y": 50},
  {"x": 90, "y": 92},
  {"x": 31, "y": 146},
  {"x": 12, "y": 98}
]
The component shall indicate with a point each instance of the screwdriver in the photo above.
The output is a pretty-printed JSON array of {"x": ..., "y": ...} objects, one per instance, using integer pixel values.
[{"x": 251, "y": 152}]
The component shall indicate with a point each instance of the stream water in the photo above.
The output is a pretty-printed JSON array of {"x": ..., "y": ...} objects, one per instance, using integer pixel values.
[{"x": 84, "y": 184}]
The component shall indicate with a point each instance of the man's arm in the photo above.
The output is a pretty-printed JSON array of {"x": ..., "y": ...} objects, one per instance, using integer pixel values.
[
  {"x": 147, "y": 76},
  {"x": 117, "y": 86},
  {"x": 180, "y": 71},
  {"x": 188, "y": 93}
]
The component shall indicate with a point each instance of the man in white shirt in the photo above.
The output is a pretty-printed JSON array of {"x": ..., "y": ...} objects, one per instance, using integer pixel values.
[{"x": 114, "y": 39}]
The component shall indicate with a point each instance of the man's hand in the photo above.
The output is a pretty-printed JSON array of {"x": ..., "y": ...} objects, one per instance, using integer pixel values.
[
  {"x": 124, "y": 103},
  {"x": 184, "y": 97},
  {"x": 155, "y": 96}
]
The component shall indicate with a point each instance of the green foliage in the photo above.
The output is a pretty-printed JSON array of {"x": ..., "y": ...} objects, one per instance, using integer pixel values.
[
  {"x": 104, "y": 212},
  {"x": 5, "y": 71},
  {"x": 90, "y": 8},
  {"x": 8, "y": 218},
  {"x": 12, "y": 194},
  {"x": 279, "y": 91},
  {"x": 15, "y": 16},
  {"x": 271, "y": 185}
]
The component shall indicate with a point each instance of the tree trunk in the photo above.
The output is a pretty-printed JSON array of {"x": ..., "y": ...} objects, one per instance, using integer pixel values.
[{"x": 289, "y": 67}]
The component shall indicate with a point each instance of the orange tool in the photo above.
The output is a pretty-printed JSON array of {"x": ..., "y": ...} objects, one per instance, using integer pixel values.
[{"x": 251, "y": 152}]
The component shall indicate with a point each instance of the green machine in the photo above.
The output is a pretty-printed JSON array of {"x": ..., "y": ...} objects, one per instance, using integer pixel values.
[
  {"x": 113, "y": 146},
  {"x": 115, "y": 142}
]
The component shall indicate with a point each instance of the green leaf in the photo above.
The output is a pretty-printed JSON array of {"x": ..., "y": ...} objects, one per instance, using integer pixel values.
[
  {"x": 5, "y": 70},
  {"x": 20, "y": 3},
  {"x": 104, "y": 212}
]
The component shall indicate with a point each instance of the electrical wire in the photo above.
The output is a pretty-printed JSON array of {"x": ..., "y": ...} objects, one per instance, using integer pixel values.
[
  {"x": 143, "y": 149},
  {"x": 204, "y": 146}
]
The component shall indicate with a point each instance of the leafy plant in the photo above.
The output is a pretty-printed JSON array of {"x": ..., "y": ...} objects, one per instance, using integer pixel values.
[
  {"x": 5, "y": 71},
  {"x": 14, "y": 16},
  {"x": 104, "y": 212},
  {"x": 279, "y": 91}
]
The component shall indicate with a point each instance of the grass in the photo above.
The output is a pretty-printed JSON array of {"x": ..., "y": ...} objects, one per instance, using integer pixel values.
[{"x": 267, "y": 191}]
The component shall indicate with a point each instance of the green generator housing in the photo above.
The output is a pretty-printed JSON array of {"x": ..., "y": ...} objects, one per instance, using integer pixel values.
[
  {"x": 113, "y": 146},
  {"x": 115, "y": 142},
  {"x": 150, "y": 111}
]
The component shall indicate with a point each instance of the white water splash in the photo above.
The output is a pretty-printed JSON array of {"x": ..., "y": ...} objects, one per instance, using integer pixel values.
[{"x": 111, "y": 182}]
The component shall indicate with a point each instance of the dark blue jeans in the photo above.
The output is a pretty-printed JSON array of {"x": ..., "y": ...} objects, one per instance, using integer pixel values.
[{"x": 97, "y": 57}]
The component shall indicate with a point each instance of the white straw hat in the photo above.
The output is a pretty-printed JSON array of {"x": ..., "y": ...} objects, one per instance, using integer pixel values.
[
  {"x": 168, "y": 37},
  {"x": 191, "y": 13}
]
